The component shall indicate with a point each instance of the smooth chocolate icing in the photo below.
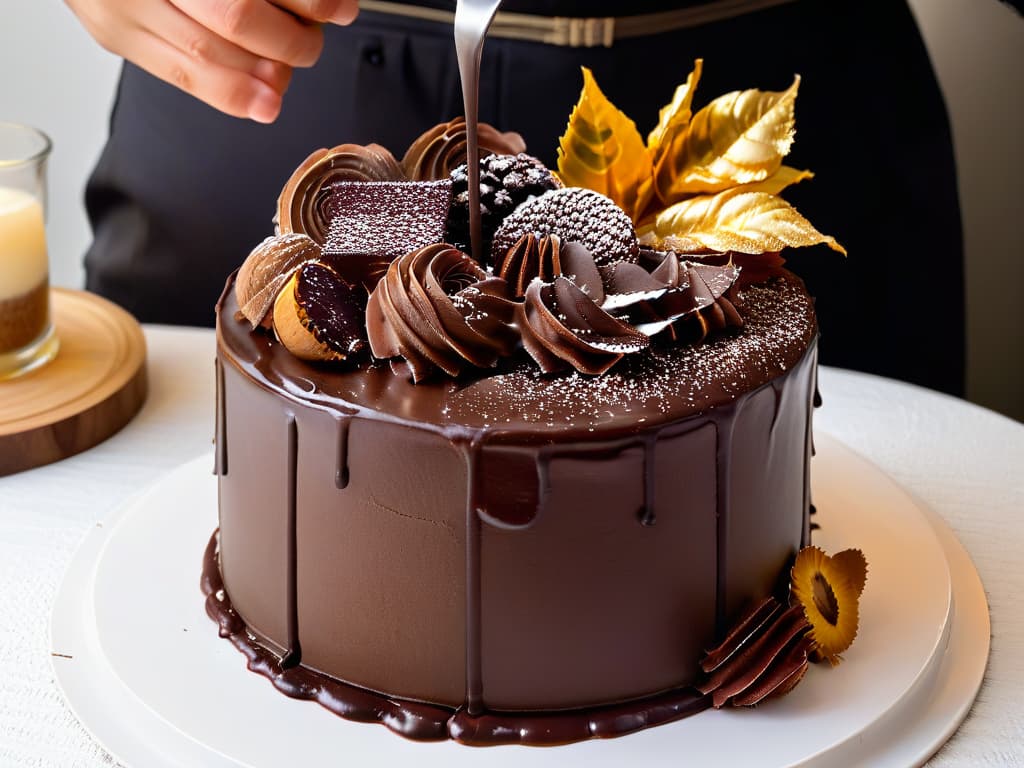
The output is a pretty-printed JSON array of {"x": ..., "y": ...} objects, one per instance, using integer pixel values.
[
  {"x": 425, "y": 722},
  {"x": 501, "y": 541}
]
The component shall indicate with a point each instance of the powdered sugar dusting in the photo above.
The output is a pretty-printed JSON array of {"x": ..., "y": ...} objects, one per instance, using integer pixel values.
[{"x": 661, "y": 384}]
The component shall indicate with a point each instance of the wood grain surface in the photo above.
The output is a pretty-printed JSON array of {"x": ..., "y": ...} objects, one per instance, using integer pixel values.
[{"x": 93, "y": 387}]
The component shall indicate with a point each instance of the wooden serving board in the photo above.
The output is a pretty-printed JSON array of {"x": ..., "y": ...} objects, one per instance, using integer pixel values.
[{"x": 92, "y": 388}]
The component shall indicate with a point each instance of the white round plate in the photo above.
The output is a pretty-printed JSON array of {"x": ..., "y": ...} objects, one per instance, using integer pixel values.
[{"x": 145, "y": 672}]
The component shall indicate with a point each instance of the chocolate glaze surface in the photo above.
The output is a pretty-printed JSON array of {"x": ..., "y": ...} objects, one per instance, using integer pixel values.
[{"x": 526, "y": 552}]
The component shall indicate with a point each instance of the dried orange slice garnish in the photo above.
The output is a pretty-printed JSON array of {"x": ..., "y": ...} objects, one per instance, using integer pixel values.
[{"x": 829, "y": 589}]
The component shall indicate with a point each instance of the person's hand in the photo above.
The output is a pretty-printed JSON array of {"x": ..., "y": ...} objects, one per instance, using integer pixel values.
[{"x": 236, "y": 55}]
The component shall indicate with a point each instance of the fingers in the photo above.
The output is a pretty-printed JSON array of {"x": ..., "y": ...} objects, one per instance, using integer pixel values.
[
  {"x": 238, "y": 93},
  {"x": 236, "y": 55},
  {"x": 206, "y": 48},
  {"x": 260, "y": 27},
  {"x": 331, "y": 11}
]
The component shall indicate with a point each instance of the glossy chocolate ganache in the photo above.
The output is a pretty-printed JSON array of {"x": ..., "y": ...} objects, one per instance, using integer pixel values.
[{"x": 509, "y": 556}]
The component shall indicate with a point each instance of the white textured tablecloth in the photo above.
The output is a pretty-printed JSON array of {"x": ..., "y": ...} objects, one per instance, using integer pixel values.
[{"x": 962, "y": 461}]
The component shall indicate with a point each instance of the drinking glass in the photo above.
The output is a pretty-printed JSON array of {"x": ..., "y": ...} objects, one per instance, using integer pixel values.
[{"x": 27, "y": 339}]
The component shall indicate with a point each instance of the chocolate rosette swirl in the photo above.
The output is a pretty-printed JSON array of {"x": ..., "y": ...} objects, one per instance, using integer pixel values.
[
  {"x": 439, "y": 151},
  {"x": 304, "y": 203},
  {"x": 562, "y": 326},
  {"x": 438, "y": 310}
]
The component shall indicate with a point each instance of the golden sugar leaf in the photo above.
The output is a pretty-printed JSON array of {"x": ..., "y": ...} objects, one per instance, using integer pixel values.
[
  {"x": 674, "y": 117},
  {"x": 734, "y": 220},
  {"x": 602, "y": 150},
  {"x": 829, "y": 589},
  {"x": 778, "y": 181},
  {"x": 738, "y": 138}
]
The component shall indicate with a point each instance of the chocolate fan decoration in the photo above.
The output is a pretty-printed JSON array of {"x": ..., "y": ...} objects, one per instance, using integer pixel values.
[
  {"x": 531, "y": 257},
  {"x": 765, "y": 654},
  {"x": 696, "y": 302}
]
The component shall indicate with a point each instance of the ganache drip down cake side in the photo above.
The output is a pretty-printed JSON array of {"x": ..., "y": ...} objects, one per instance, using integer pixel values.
[{"x": 514, "y": 500}]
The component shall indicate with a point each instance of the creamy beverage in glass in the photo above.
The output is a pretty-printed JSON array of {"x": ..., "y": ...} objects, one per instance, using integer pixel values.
[{"x": 27, "y": 340}]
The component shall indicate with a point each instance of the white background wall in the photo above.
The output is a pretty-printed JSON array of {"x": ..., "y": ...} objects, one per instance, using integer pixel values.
[{"x": 53, "y": 76}]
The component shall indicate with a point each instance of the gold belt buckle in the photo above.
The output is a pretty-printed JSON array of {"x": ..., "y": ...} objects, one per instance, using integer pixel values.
[{"x": 576, "y": 32}]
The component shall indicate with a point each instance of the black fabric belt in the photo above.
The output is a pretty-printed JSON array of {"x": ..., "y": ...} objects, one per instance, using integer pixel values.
[{"x": 583, "y": 31}]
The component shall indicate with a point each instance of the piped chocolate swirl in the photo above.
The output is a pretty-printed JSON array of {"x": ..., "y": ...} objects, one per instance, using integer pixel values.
[{"x": 437, "y": 310}]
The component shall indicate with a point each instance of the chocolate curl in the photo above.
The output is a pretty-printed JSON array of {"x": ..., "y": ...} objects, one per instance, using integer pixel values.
[
  {"x": 439, "y": 311},
  {"x": 302, "y": 204},
  {"x": 440, "y": 150},
  {"x": 265, "y": 271},
  {"x": 765, "y": 654},
  {"x": 754, "y": 267},
  {"x": 562, "y": 326},
  {"x": 696, "y": 302}
]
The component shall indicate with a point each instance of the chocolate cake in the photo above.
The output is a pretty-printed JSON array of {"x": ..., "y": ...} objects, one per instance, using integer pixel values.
[{"x": 512, "y": 500}]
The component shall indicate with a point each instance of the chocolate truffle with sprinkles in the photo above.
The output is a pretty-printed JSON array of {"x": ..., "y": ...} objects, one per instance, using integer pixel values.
[
  {"x": 506, "y": 182},
  {"x": 575, "y": 215}
]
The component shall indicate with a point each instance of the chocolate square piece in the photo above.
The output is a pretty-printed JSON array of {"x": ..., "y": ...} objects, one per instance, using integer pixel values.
[{"x": 386, "y": 218}]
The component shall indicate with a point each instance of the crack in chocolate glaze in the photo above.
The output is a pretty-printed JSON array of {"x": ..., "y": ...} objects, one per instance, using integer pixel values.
[{"x": 446, "y": 527}]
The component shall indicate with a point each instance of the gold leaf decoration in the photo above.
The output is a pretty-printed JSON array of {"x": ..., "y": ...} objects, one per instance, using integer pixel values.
[
  {"x": 602, "y": 150},
  {"x": 738, "y": 138},
  {"x": 778, "y": 181},
  {"x": 665, "y": 142},
  {"x": 674, "y": 118},
  {"x": 734, "y": 220}
]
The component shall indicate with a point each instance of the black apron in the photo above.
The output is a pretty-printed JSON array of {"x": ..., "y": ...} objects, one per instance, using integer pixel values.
[{"x": 183, "y": 192}]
